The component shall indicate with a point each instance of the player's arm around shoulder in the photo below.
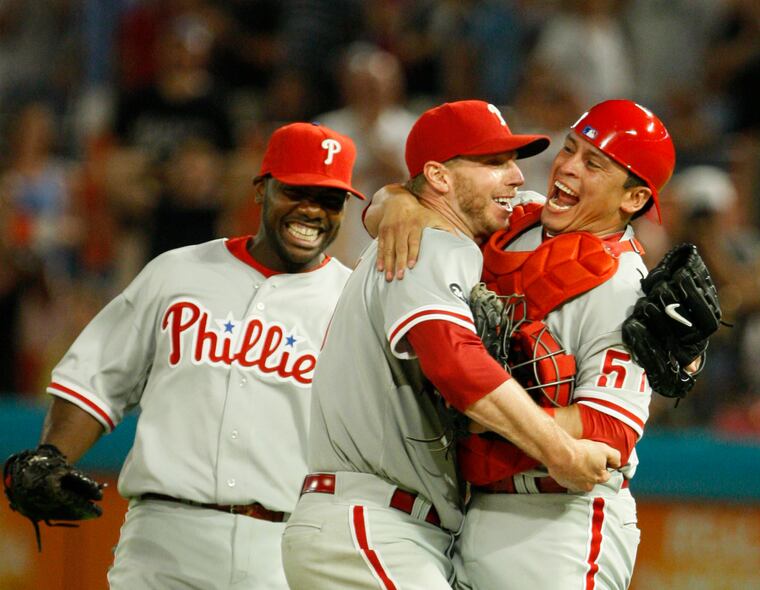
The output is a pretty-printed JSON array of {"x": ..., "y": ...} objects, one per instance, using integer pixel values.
[
  {"x": 397, "y": 219},
  {"x": 447, "y": 257},
  {"x": 436, "y": 289}
]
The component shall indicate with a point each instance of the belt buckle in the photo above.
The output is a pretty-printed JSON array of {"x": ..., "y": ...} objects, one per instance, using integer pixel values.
[
  {"x": 319, "y": 482},
  {"x": 246, "y": 510}
]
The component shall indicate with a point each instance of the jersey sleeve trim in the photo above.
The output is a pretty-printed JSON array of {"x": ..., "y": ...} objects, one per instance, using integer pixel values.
[
  {"x": 423, "y": 314},
  {"x": 85, "y": 402},
  {"x": 616, "y": 411}
]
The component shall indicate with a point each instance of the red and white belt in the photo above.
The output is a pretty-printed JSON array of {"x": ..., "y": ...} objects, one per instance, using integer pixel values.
[{"x": 324, "y": 483}]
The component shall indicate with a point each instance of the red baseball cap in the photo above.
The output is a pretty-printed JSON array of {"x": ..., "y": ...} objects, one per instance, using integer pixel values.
[
  {"x": 309, "y": 154},
  {"x": 465, "y": 128}
]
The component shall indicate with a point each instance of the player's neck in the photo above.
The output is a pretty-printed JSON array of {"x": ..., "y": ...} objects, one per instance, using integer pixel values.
[
  {"x": 268, "y": 255},
  {"x": 611, "y": 233},
  {"x": 454, "y": 222}
]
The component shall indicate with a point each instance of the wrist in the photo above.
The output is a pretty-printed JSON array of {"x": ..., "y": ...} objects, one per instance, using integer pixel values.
[{"x": 561, "y": 452}]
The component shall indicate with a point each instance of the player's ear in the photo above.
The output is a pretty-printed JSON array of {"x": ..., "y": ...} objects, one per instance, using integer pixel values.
[
  {"x": 259, "y": 188},
  {"x": 635, "y": 198},
  {"x": 437, "y": 176}
]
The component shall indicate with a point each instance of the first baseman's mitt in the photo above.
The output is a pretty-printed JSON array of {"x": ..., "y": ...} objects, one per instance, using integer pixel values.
[
  {"x": 42, "y": 486},
  {"x": 670, "y": 325}
]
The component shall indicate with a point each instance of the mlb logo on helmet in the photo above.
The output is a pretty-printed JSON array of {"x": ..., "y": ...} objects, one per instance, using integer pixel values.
[{"x": 590, "y": 132}]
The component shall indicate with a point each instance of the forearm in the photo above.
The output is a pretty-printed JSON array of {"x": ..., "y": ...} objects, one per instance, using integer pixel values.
[
  {"x": 569, "y": 419},
  {"x": 507, "y": 409},
  {"x": 581, "y": 421},
  {"x": 510, "y": 412},
  {"x": 454, "y": 359},
  {"x": 70, "y": 428},
  {"x": 397, "y": 195},
  {"x": 604, "y": 428}
]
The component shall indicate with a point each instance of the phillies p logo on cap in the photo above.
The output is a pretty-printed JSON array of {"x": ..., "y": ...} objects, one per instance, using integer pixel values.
[
  {"x": 497, "y": 112},
  {"x": 333, "y": 147},
  {"x": 309, "y": 154}
]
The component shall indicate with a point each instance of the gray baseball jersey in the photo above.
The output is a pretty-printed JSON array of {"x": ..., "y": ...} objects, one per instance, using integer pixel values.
[
  {"x": 589, "y": 327},
  {"x": 370, "y": 412},
  {"x": 579, "y": 540},
  {"x": 219, "y": 354}
]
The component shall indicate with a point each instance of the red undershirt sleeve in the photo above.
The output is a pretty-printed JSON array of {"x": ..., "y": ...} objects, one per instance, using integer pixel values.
[
  {"x": 604, "y": 428},
  {"x": 484, "y": 460},
  {"x": 454, "y": 360}
]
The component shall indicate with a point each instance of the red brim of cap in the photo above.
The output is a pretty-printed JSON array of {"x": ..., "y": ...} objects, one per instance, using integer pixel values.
[
  {"x": 317, "y": 180},
  {"x": 524, "y": 145}
]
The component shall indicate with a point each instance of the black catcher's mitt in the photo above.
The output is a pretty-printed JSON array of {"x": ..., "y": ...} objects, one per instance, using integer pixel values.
[
  {"x": 670, "y": 325},
  {"x": 42, "y": 486},
  {"x": 492, "y": 323}
]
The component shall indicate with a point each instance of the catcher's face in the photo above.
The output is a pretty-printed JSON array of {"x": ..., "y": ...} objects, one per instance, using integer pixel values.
[
  {"x": 586, "y": 191},
  {"x": 298, "y": 223},
  {"x": 483, "y": 186}
]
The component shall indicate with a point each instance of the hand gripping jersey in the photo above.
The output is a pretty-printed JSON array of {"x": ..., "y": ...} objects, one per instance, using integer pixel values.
[
  {"x": 219, "y": 355},
  {"x": 582, "y": 288}
]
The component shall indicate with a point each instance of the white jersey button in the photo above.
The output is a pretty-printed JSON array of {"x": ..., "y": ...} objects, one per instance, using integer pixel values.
[
  {"x": 243, "y": 381},
  {"x": 231, "y": 483},
  {"x": 234, "y": 434},
  {"x": 260, "y": 306}
]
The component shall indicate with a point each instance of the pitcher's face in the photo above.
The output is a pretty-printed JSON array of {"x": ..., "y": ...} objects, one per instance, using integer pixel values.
[{"x": 483, "y": 187}]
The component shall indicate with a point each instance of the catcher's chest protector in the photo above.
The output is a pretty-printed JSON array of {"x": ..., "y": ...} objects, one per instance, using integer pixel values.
[{"x": 558, "y": 270}]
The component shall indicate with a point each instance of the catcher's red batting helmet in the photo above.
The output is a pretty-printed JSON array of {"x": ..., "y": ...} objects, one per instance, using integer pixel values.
[{"x": 634, "y": 137}]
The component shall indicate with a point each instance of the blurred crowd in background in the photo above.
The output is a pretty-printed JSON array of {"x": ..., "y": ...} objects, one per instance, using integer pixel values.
[{"x": 129, "y": 127}]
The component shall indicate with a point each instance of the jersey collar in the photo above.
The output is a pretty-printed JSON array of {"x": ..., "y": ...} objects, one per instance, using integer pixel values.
[
  {"x": 616, "y": 237},
  {"x": 238, "y": 247}
]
